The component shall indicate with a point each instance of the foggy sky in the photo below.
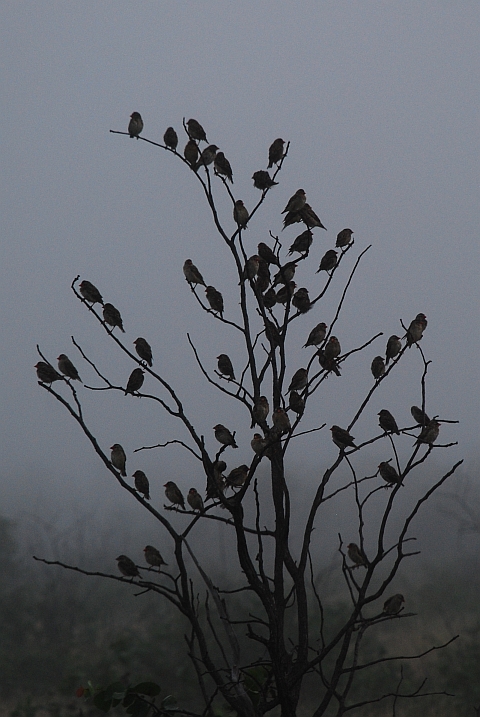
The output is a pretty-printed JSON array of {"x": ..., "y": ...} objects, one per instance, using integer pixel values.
[{"x": 380, "y": 103}]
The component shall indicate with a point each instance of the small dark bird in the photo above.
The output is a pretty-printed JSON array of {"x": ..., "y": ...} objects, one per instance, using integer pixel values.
[
  {"x": 190, "y": 152},
  {"x": 394, "y": 346},
  {"x": 191, "y": 273},
  {"x": 344, "y": 238},
  {"x": 299, "y": 380},
  {"x": 224, "y": 436},
  {"x": 225, "y": 366},
  {"x": 240, "y": 214},
  {"x": 328, "y": 261},
  {"x": 174, "y": 494},
  {"x": 416, "y": 329},
  {"x": 291, "y": 218},
  {"x": 194, "y": 500},
  {"x": 46, "y": 373},
  {"x": 419, "y": 416},
  {"x": 135, "y": 125},
  {"x": 237, "y": 476},
  {"x": 144, "y": 350},
  {"x": 112, "y": 317},
  {"x": 90, "y": 292},
  {"x": 356, "y": 555},
  {"x": 258, "y": 444},
  {"x": 262, "y": 180},
  {"x": 429, "y": 433},
  {"x": 286, "y": 292},
  {"x": 296, "y": 403},
  {"x": 286, "y": 273},
  {"x": 270, "y": 298},
  {"x": 215, "y": 299},
  {"x": 275, "y": 152},
  {"x": 296, "y": 202},
  {"x": 387, "y": 422},
  {"x": 281, "y": 421},
  {"x": 301, "y": 300},
  {"x": 332, "y": 348},
  {"x": 389, "y": 473},
  {"x": 221, "y": 166},
  {"x": 302, "y": 243},
  {"x": 170, "y": 138},
  {"x": 267, "y": 254},
  {"x": 142, "y": 484},
  {"x": 118, "y": 458},
  {"x": 207, "y": 157},
  {"x": 127, "y": 567},
  {"x": 260, "y": 411},
  {"x": 308, "y": 216},
  {"x": 196, "y": 131},
  {"x": 153, "y": 557},
  {"x": 272, "y": 333},
  {"x": 135, "y": 381},
  {"x": 316, "y": 335},
  {"x": 393, "y": 605},
  {"x": 66, "y": 367},
  {"x": 251, "y": 268},
  {"x": 378, "y": 367},
  {"x": 342, "y": 438},
  {"x": 263, "y": 276},
  {"x": 329, "y": 364}
]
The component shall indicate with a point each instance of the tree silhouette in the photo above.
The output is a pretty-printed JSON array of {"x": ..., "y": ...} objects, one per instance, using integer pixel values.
[{"x": 258, "y": 662}]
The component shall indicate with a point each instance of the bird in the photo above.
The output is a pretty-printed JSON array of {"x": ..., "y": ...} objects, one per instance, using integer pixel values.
[
  {"x": 118, "y": 458},
  {"x": 66, "y": 367},
  {"x": 112, "y": 317},
  {"x": 224, "y": 436},
  {"x": 135, "y": 381},
  {"x": 225, "y": 366},
  {"x": 387, "y": 422},
  {"x": 308, "y": 216},
  {"x": 170, "y": 138},
  {"x": 301, "y": 300},
  {"x": 328, "y": 261},
  {"x": 429, "y": 433},
  {"x": 378, "y": 367},
  {"x": 127, "y": 567},
  {"x": 240, "y": 214},
  {"x": 388, "y": 473},
  {"x": 90, "y": 292},
  {"x": 135, "y": 125},
  {"x": 419, "y": 416},
  {"x": 342, "y": 438},
  {"x": 344, "y": 238},
  {"x": 285, "y": 293},
  {"x": 329, "y": 364},
  {"x": 285, "y": 274},
  {"x": 263, "y": 275},
  {"x": 215, "y": 299},
  {"x": 299, "y": 380},
  {"x": 207, "y": 157},
  {"x": 196, "y": 131},
  {"x": 258, "y": 444},
  {"x": 237, "y": 476},
  {"x": 194, "y": 500},
  {"x": 281, "y": 421},
  {"x": 221, "y": 166},
  {"x": 262, "y": 180},
  {"x": 191, "y": 273},
  {"x": 267, "y": 254},
  {"x": 291, "y": 218},
  {"x": 174, "y": 494},
  {"x": 275, "y": 152},
  {"x": 416, "y": 329},
  {"x": 296, "y": 202},
  {"x": 296, "y": 403},
  {"x": 142, "y": 484},
  {"x": 332, "y": 348},
  {"x": 144, "y": 350},
  {"x": 190, "y": 152},
  {"x": 260, "y": 411},
  {"x": 316, "y": 335},
  {"x": 46, "y": 373},
  {"x": 394, "y": 346},
  {"x": 251, "y": 268},
  {"x": 302, "y": 243},
  {"x": 153, "y": 557},
  {"x": 218, "y": 485},
  {"x": 272, "y": 333},
  {"x": 356, "y": 555},
  {"x": 270, "y": 298},
  {"x": 393, "y": 605}
]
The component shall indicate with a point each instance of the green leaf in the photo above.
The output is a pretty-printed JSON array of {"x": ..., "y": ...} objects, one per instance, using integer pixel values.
[{"x": 147, "y": 688}]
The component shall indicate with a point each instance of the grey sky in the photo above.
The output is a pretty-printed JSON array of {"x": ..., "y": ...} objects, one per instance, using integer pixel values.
[{"x": 380, "y": 103}]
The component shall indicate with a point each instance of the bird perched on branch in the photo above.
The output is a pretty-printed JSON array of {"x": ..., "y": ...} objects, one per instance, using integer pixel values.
[
  {"x": 225, "y": 366},
  {"x": 260, "y": 410},
  {"x": 153, "y": 557},
  {"x": 118, "y": 458},
  {"x": 46, "y": 373},
  {"x": 190, "y": 153},
  {"x": 263, "y": 276},
  {"x": 170, "y": 138},
  {"x": 275, "y": 152},
  {"x": 90, "y": 292},
  {"x": 419, "y": 416},
  {"x": 329, "y": 364},
  {"x": 302, "y": 243},
  {"x": 296, "y": 403},
  {"x": 174, "y": 494},
  {"x": 389, "y": 473},
  {"x": 316, "y": 335},
  {"x": 387, "y": 422},
  {"x": 191, "y": 273},
  {"x": 356, "y": 555},
  {"x": 127, "y": 567},
  {"x": 416, "y": 329},
  {"x": 144, "y": 350},
  {"x": 223, "y": 436},
  {"x": 196, "y": 131},
  {"x": 344, "y": 238},
  {"x": 328, "y": 261},
  {"x": 267, "y": 254},
  {"x": 281, "y": 421},
  {"x": 270, "y": 298},
  {"x": 285, "y": 274},
  {"x": 221, "y": 166},
  {"x": 207, "y": 157},
  {"x": 285, "y": 293},
  {"x": 332, "y": 348},
  {"x": 296, "y": 202},
  {"x": 240, "y": 214},
  {"x": 299, "y": 380},
  {"x": 262, "y": 180},
  {"x": 429, "y": 433},
  {"x": 258, "y": 444},
  {"x": 378, "y": 367},
  {"x": 251, "y": 268},
  {"x": 308, "y": 216},
  {"x": 393, "y": 605},
  {"x": 142, "y": 484},
  {"x": 135, "y": 125},
  {"x": 301, "y": 300},
  {"x": 237, "y": 476},
  {"x": 394, "y": 346},
  {"x": 272, "y": 333},
  {"x": 194, "y": 500},
  {"x": 135, "y": 381},
  {"x": 112, "y": 317},
  {"x": 66, "y": 367},
  {"x": 342, "y": 438},
  {"x": 215, "y": 299}
]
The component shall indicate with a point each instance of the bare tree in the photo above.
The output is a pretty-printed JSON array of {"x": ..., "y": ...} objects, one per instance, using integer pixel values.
[{"x": 288, "y": 637}]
